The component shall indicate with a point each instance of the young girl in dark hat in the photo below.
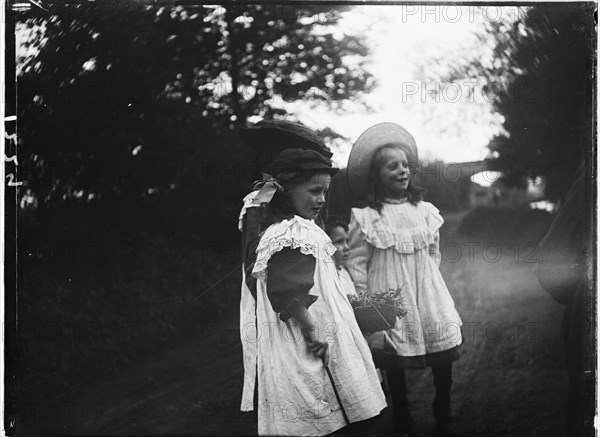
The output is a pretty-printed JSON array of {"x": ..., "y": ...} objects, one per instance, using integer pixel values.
[
  {"x": 315, "y": 372},
  {"x": 268, "y": 138}
]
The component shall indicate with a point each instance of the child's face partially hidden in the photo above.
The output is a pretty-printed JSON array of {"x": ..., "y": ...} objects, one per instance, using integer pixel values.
[
  {"x": 394, "y": 173},
  {"x": 339, "y": 238},
  {"x": 308, "y": 198}
]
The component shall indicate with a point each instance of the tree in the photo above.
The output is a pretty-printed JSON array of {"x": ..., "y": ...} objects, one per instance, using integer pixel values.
[
  {"x": 127, "y": 145},
  {"x": 541, "y": 80},
  {"x": 123, "y": 101}
]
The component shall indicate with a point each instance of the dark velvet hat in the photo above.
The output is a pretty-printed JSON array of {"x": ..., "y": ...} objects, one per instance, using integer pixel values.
[{"x": 294, "y": 160}]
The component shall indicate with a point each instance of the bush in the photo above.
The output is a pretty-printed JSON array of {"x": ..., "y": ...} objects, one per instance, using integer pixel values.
[
  {"x": 506, "y": 225},
  {"x": 95, "y": 303}
]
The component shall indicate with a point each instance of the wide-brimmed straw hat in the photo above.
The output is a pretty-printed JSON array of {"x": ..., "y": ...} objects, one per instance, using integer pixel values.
[
  {"x": 363, "y": 150},
  {"x": 281, "y": 135}
]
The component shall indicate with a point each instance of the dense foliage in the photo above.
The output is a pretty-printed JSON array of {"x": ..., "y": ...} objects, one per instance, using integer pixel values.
[
  {"x": 127, "y": 102},
  {"x": 541, "y": 79}
]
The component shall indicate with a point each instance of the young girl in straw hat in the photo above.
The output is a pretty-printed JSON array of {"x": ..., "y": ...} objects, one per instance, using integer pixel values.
[
  {"x": 394, "y": 242},
  {"x": 315, "y": 372}
]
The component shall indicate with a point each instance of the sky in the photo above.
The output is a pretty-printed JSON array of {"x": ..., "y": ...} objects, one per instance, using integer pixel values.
[{"x": 411, "y": 47}]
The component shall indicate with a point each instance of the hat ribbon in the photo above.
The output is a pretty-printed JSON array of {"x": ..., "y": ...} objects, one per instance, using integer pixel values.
[{"x": 268, "y": 186}]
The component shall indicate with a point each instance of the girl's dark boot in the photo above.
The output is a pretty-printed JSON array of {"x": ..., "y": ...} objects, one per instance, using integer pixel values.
[
  {"x": 442, "y": 379},
  {"x": 404, "y": 423}
]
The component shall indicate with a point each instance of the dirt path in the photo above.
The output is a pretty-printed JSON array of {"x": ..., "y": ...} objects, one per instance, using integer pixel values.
[{"x": 510, "y": 379}]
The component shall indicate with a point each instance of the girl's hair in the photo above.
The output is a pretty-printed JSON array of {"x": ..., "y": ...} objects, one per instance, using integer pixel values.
[
  {"x": 334, "y": 221},
  {"x": 281, "y": 206},
  {"x": 376, "y": 196}
]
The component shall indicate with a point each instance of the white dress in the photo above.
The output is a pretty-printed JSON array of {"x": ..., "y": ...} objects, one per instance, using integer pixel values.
[
  {"x": 400, "y": 247},
  {"x": 295, "y": 394}
]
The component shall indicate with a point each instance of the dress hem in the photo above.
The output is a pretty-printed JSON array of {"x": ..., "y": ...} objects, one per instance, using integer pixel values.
[{"x": 387, "y": 360}]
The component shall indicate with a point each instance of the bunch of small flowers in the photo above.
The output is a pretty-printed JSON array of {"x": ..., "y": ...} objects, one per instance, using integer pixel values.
[
  {"x": 392, "y": 296},
  {"x": 378, "y": 311}
]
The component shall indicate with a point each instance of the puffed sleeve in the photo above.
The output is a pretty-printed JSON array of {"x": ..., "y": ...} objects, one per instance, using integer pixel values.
[
  {"x": 358, "y": 255},
  {"x": 290, "y": 278}
]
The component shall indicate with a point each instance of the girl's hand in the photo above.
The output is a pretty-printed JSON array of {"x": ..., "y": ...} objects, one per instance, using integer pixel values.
[
  {"x": 317, "y": 347},
  {"x": 320, "y": 349},
  {"x": 310, "y": 331}
]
